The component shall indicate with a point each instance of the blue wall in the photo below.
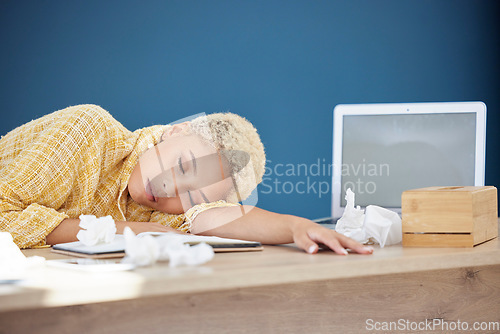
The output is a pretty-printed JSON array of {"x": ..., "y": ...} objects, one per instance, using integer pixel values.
[{"x": 282, "y": 64}]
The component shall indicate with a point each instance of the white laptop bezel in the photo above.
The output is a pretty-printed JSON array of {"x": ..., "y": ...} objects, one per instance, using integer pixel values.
[{"x": 341, "y": 110}]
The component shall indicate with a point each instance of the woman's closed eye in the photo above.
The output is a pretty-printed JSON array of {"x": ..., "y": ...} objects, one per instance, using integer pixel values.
[
  {"x": 197, "y": 200},
  {"x": 191, "y": 199},
  {"x": 181, "y": 167},
  {"x": 186, "y": 164}
]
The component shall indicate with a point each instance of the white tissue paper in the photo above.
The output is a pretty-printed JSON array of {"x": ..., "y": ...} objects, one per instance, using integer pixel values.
[
  {"x": 13, "y": 263},
  {"x": 376, "y": 223},
  {"x": 96, "y": 230},
  {"x": 351, "y": 224},
  {"x": 146, "y": 250},
  {"x": 140, "y": 251},
  {"x": 383, "y": 225}
]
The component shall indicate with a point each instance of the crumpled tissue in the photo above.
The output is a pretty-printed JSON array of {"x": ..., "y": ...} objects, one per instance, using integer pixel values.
[
  {"x": 96, "y": 230},
  {"x": 374, "y": 224},
  {"x": 13, "y": 263},
  {"x": 146, "y": 250}
]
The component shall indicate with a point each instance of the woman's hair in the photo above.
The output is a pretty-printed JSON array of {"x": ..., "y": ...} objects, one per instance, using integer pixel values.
[{"x": 235, "y": 138}]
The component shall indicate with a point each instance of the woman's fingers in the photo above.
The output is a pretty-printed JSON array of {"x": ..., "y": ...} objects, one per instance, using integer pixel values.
[
  {"x": 329, "y": 239},
  {"x": 308, "y": 239},
  {"x": 354, "y": 245},
  {"x": 303, "y": 241}
]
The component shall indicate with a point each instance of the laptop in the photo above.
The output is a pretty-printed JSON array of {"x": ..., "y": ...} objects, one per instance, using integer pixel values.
[{"x": 381, "y": 150}]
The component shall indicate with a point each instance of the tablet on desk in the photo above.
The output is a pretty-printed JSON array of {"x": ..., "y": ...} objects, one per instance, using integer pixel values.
[{"x": 116, "y": 248}]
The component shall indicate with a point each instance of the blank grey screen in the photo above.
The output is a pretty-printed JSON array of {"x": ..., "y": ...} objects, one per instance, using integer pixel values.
[{"x": 383, "y": 155}]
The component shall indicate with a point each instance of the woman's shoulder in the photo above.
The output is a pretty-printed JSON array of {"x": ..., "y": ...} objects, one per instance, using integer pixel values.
[
  {"x": 86, "y": 122},
  {"x": 88, "y": 113},
  {"x": 87, "y": 119},
  {"x": 83, "y": 115}
]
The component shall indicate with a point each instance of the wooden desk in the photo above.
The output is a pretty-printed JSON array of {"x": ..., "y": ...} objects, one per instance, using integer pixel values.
[{"x": 280, "y": 289}]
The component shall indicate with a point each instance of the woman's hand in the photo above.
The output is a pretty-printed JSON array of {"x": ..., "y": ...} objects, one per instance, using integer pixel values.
[{"x": 307, "y": 235}]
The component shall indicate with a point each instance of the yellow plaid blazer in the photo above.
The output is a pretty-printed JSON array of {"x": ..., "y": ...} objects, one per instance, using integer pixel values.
[{"x": 71, "y": 162}]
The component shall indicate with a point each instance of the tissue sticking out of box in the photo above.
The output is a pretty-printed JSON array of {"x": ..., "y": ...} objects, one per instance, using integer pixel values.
[{"x": 375, "y": 224}]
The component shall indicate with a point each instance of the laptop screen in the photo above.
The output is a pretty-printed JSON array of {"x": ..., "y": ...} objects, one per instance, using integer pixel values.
[{"x": 384, "y": 154}]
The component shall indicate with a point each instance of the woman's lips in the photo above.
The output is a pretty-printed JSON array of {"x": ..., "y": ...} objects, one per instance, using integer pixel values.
[{"x": 149, "y": 192}]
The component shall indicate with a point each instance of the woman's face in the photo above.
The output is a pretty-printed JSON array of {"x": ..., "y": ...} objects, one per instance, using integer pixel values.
[{"x": 178, "y": 173}]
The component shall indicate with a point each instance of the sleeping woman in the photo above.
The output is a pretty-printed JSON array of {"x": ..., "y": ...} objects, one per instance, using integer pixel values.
[{"x": 193, "y": 177}]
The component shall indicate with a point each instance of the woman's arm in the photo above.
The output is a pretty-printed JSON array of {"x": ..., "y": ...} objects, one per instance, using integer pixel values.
[
  {"x": 272, "y": 228},
  {"x": 67, "y": 230}
]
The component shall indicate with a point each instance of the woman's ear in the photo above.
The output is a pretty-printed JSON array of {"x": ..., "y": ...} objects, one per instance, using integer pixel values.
[{"x": 181, "y": 128}]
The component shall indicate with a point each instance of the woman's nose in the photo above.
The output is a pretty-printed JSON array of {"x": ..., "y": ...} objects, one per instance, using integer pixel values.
[
  {"x": 170, "y": 184},
  {"x": 162, "y": 185}
]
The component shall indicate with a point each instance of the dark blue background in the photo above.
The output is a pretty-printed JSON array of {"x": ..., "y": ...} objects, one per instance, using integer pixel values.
[{"x": 282, "y": 64}]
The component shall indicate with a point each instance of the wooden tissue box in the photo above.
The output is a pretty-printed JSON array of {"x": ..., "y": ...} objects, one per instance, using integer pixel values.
[{"x": 449, "y": 216}]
